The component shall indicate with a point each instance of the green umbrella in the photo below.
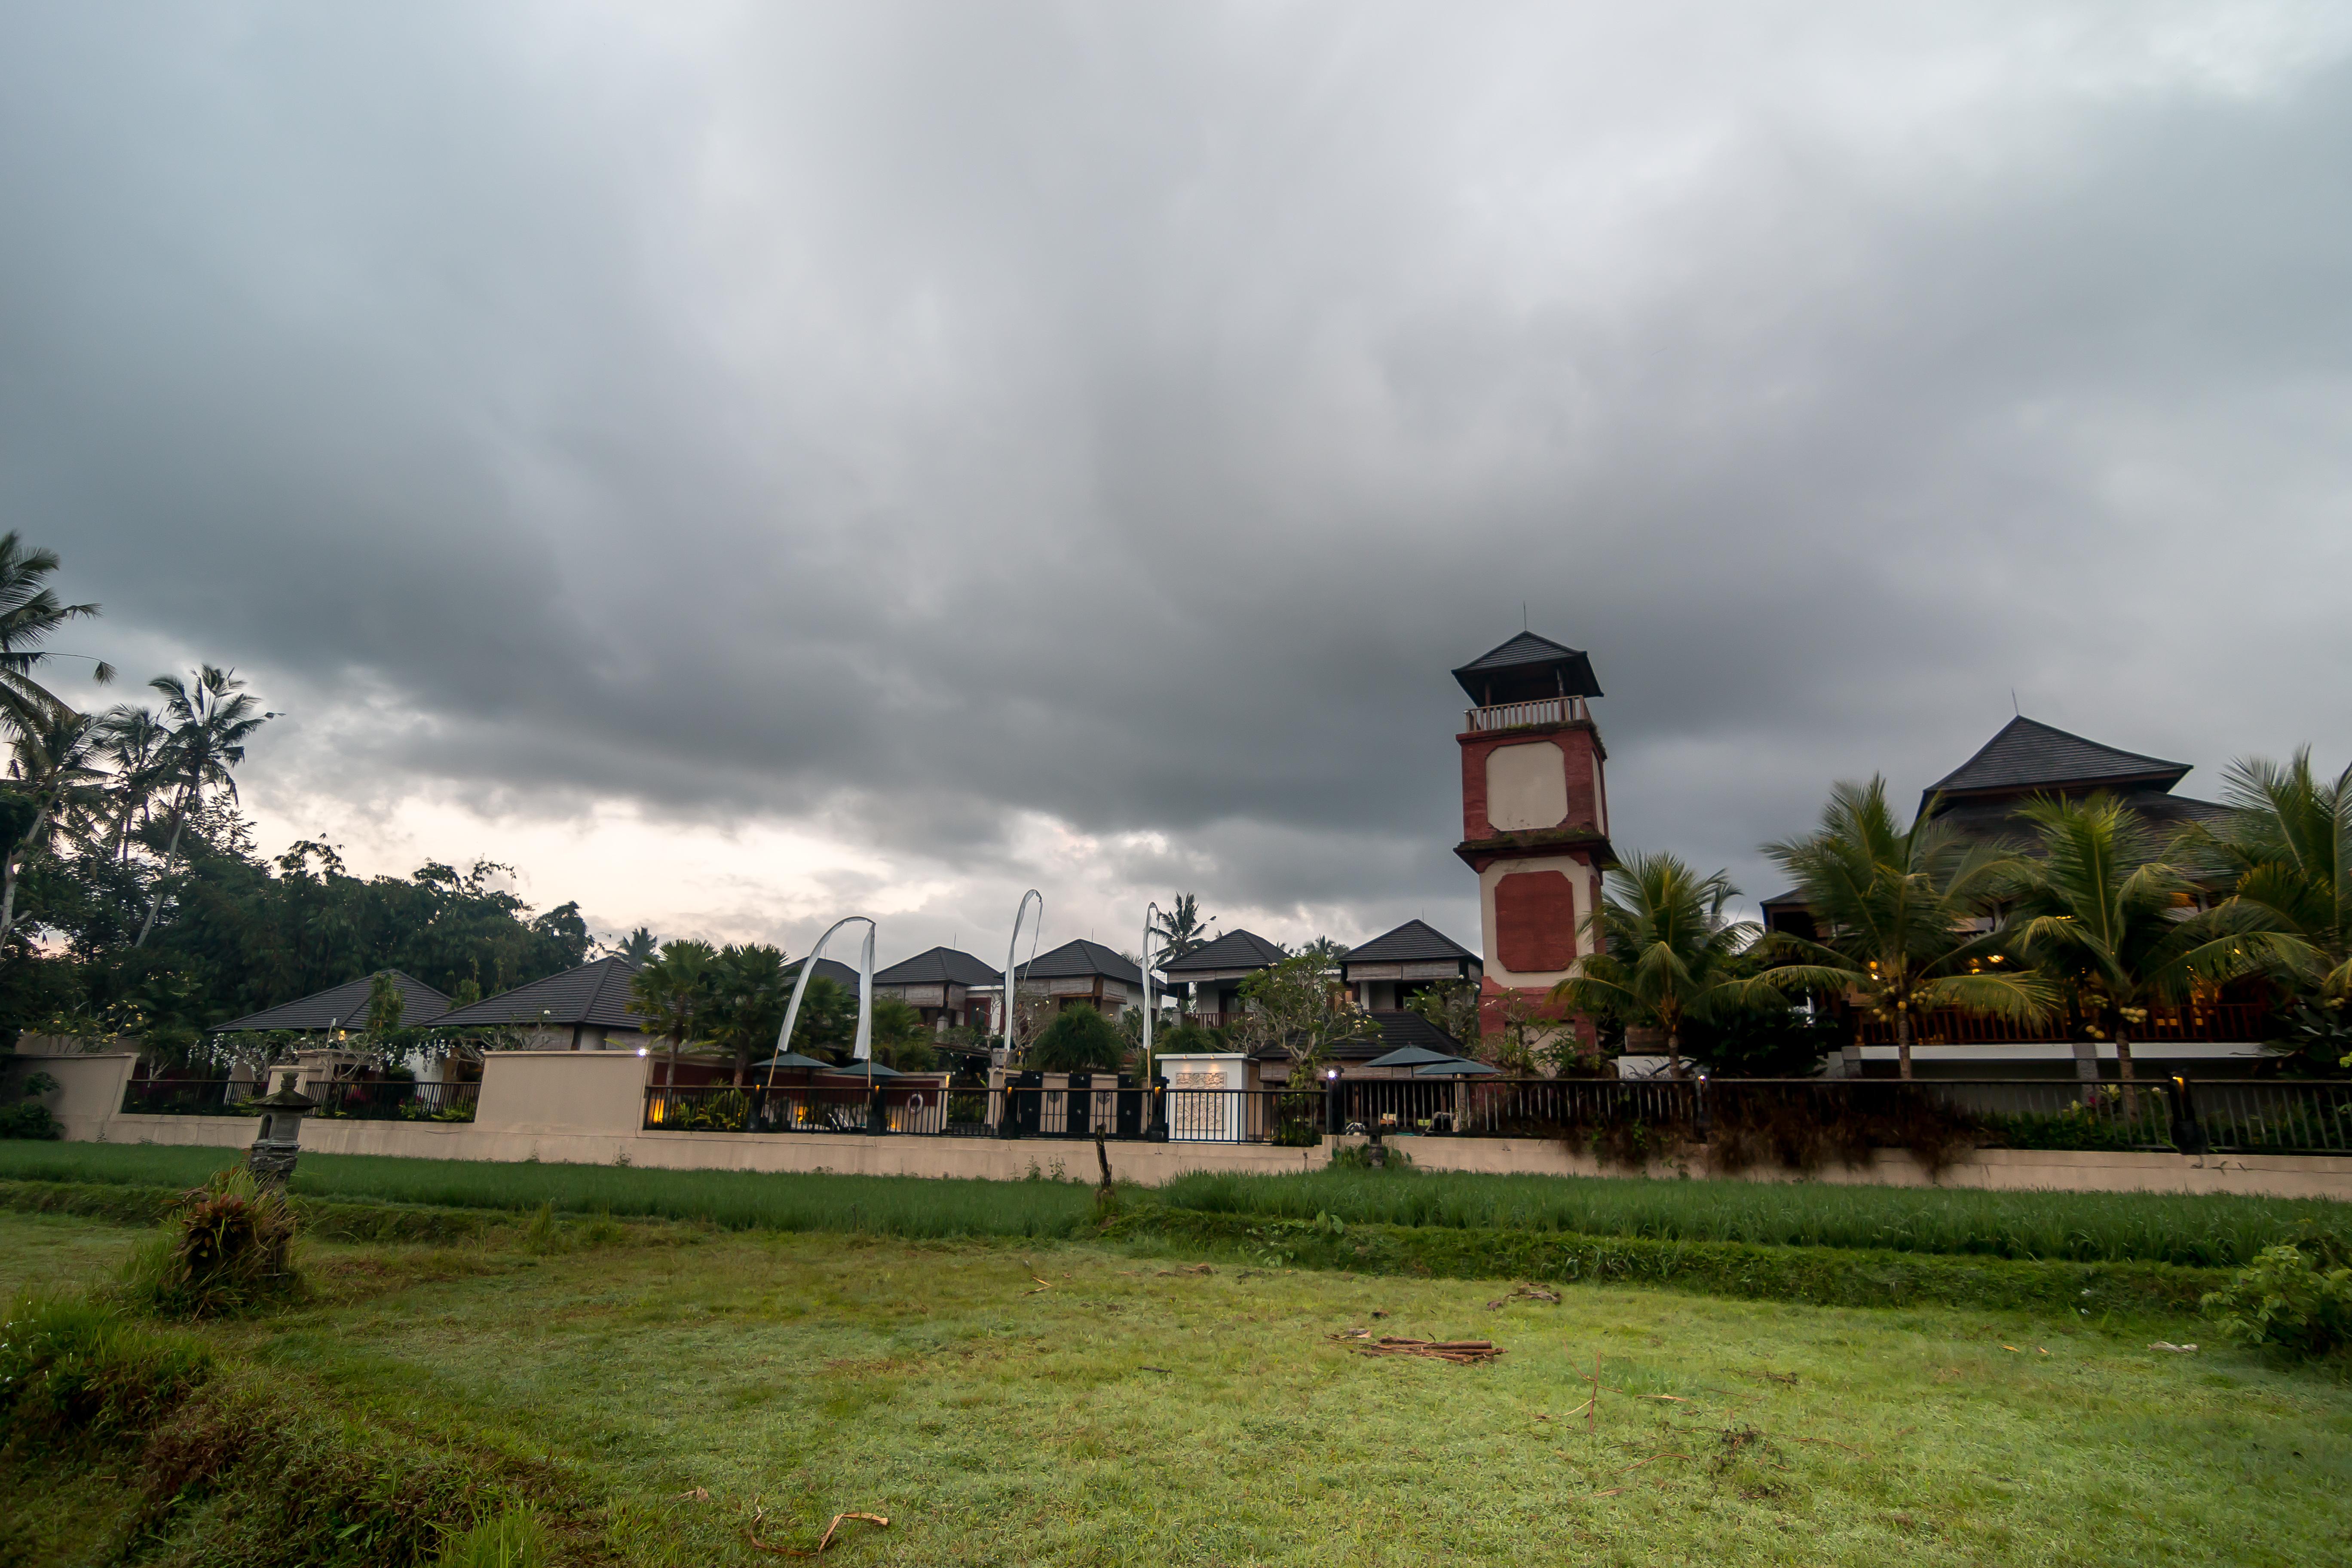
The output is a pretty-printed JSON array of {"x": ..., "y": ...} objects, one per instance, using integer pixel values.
[
  {"x": 1411, "y": 1057},
  {"x": 1456, "y": 1068}
]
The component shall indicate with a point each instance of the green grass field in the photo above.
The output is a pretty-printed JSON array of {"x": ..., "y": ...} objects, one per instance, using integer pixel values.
[
  {"x": 2079, "y": 1227},
  {"x": 2149, "y": 1227},
  {"x": 658, "y": 1383}
]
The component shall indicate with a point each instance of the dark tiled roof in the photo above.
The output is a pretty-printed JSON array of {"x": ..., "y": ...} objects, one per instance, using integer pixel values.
[
  {"x": 1528, "y": 654},
  {"x": 1411, "y": 942},
  {"x": 1398, "y": 1029},
  {"x": 842, "y": 974},
  {"x": 1075, "y": 960},
  {"x": 1997, "y": 821},
  {"x": 940, "y": 965},
  {"x": 596, "y": 993},
  {"x": 1235, "y": 949},
  {"x": 345, "y": 1006},
  {"x": 2028, "y": 756}
]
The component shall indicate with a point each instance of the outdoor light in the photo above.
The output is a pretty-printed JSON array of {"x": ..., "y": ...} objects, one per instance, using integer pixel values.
[{"x": 641, "y": 1050}]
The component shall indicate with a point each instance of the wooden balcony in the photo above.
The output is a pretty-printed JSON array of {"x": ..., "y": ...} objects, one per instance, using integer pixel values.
[{"x": 1521, "y": 715}]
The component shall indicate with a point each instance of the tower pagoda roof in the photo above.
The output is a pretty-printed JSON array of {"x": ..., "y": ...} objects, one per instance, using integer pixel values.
[{"x": 1527, "y": 668}]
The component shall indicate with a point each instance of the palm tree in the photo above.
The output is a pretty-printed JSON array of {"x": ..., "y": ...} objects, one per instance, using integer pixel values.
[
  {"x": 209, "y": 723},
  {"x": 2287, "y": 851},
  {"x": 672, "y": 993},
  {"x": 637, "y": 947},
  {"x": 1894, "y": 910},
  {"x": 1182, "y": 929},
  {"x": 30, "y": 611},
  {"x": 56, "y": 769},
  {"x": 2099, "y": 908},
  {"x": 749, "y": 991},
  {"x": 1663, "y": 949},
  {"x": 134, "y": 741}
]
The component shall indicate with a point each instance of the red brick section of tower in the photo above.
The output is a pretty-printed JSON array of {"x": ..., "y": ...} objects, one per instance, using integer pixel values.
[{"x": 1534, "y": 813}]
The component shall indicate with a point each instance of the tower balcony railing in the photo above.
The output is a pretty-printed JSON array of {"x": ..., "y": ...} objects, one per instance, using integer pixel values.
[{"x": 1519, "y": 715}]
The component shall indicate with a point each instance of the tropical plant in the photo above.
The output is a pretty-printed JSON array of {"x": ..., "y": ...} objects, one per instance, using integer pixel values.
[
  {"x": 210, "y": 720},
  {"x": 1663, "y": 952},
  {"x": 1451, "y": 1007},
  {"x": 1295, "y": 1006},
  {"x": 56, "y": 777},
  {"x": 30, "y": 611},
  {"x": 133, "y": 744},
  {"x": 2286, "y": 851},
  {"x": 2097, "y": 909},
  {"x": 2287, "y": 1299},
  {"x": 1079, "y": 1039},
  {"x": 901, "y": 1039},
  {"x": 672, "y": 994},
  {"x": 1182, "y": 929},
  {"x": 1894, "y": 910},
  {"x": 749, "y": 991},
  {"x": 637, "y": 947}
]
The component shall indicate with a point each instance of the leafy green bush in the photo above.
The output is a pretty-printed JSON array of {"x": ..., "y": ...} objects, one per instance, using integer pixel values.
[
  {"x": 28, "y": 1118},
  {"x": 2287, "y": 1299},
  {"x": 225, "y": 1247},
  {"x": 1359, "y": 1157},
  {"x": 1079, "y": 1039}
]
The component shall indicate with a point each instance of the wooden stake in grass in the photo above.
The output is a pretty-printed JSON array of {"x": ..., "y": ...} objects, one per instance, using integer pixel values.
[{"x": 751, "y": 1533}]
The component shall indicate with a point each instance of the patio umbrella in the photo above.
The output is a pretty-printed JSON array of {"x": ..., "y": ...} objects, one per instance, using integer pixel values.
[
  {"x": 1411, "y": 1057},
  {"x": 792, "y": 1061},
  {"x": 858, "y": 1069},
  {"x": 1456, "y": 1068}
]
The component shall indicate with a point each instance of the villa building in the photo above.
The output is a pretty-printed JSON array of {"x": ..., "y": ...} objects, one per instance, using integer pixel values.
[
  {"x": 950, "y": 988},
  {"x": 581, "y": 1009},
  {"x": 1384, "y": 973},
  {"x": 1211, "y": 976}
]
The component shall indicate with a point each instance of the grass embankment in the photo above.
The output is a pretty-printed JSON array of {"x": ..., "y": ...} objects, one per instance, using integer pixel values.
[
  {"x": 733, "y": 1200},
  {"x": 2199, "y": 1231},
  {"x": 647, "y": 1393}
]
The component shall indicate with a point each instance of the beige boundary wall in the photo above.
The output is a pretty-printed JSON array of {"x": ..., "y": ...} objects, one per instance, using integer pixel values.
[{"x": 585, "y": 1106}]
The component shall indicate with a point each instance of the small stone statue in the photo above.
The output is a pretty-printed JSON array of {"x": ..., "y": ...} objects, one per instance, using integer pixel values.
[{"x": 279, "y": 1143}]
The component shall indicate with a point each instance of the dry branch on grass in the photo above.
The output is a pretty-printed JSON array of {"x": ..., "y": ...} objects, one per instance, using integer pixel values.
[
  {"x": 1526, "y": 1293},
  {"x": 1461, "y": 1353},
  {"x": 751, "y": 1533}
]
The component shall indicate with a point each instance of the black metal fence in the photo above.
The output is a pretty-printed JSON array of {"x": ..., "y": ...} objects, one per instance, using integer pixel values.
[
  {"x": 2273, "y": 1116},
  {"x": 189, "y": 1096},
  {"x": 354, "y": 1101},
  {"x": 397, "y": 1102}
]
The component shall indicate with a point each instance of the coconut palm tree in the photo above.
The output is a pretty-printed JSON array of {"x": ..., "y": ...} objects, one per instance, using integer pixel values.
[
  {"x": 30, "y": 611},
  {"x": 1665, "y": 950},
  {"x": 209, "y": 720},
  {"x": 2286, "y": 851},
  {"x": 2098, "y": 907},
  {"x": 1182, "y": 929},
  {"x": 55, "y": 768},
  {"x": 673, "y": 994},
  {"x": 134, "y": 743},
  {"x": 1894, "y": 911}
]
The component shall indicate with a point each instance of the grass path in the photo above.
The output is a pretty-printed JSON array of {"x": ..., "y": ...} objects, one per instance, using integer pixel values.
[{"x": 1129, "y": 1412}]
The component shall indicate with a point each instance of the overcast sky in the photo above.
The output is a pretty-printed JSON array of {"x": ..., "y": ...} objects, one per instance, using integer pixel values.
[{"x": 749, "y": 464}]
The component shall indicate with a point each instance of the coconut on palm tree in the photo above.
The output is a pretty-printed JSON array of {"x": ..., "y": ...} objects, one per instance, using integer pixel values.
[
  {"x": 30, "y": 611},
  {"x": 2099, "y": 908},
  {"x": 1896, "y": 912},
  {"x": 1665, "y": 952},
  {"x": 209, "y": 722},
  {"x": 56, "y": 772}
]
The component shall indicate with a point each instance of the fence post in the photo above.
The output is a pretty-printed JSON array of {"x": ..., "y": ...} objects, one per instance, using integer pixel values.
[
  {"x": 1703, "y": 1123},
  {"x": 1333, "y": 1115},
  {"x": 2188, "y": 1132}
]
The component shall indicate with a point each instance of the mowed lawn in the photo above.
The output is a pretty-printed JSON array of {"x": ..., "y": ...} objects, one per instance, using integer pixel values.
[{"x": 1130, "y": 1410}]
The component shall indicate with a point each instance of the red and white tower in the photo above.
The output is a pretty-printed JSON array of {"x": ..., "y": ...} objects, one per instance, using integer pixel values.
[{"x": 1534, "y": 809}]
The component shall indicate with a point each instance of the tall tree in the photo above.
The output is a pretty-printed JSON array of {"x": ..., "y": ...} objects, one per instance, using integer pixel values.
[
  {"x": 749, "y": 991},
  {"x": 637, "y": 947},
  {"x": 1294, "y": 1006},
  {"x": 30, "y": 612},
  {"x": 672, "y": 994},
  {"x": 210, "y": 722},
  {"x": 134, "y": 743},
  {"x": 55, "y": 773},
  {"x": 1182, "y": 929},
  {"x": 1664, "y": 952},
  {"x": 2287, "y": 851},
  {"x": 2099, "y": 909},
  {"x": 1895, "y": 910}
]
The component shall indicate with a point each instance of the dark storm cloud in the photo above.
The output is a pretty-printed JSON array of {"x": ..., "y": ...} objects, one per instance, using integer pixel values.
[{"x": 907, "y": 418}]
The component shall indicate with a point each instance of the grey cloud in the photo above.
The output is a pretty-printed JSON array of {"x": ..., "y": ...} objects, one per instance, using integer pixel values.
[{"x": 903, "y": 419}]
